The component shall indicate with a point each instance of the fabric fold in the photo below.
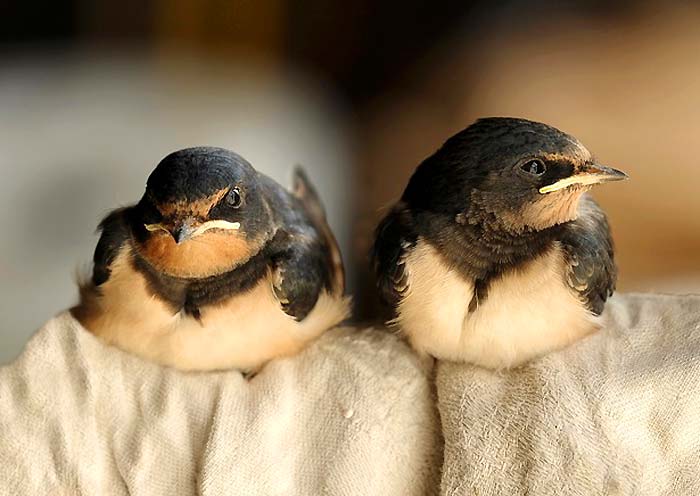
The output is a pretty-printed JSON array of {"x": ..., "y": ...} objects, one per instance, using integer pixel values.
[
  {"x": 616, "y": 413},
  {"x": 353, "y": 414}
]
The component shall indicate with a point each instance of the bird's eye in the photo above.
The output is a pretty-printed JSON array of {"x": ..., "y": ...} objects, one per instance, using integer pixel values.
[
  {"x": 234, "y": 198},
  {"x": 534, "y": 167}
]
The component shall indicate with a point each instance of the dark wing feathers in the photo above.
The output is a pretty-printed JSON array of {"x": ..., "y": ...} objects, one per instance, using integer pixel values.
[
  {"x": 589, "y": 248},
  {"x": 394, "y": 238},
  {"x": 300, "y": 274},
  {"x": 304, "y": 191},
  {"x": 304, "y": 264},
  {"x": 114, "y": 233}
]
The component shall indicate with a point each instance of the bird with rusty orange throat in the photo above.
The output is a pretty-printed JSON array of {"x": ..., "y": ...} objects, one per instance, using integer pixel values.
[
  {"x": 216, "y": 267},
  {"x": 495, "y": 254}
]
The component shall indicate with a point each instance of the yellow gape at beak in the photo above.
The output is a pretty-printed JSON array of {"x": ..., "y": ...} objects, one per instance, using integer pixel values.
[
  {"x": 189, "y": 229},
  {"x": 155, "y": 227},
  {"x": 216, "y": 224},
  {"x": 589, "y": 174}
]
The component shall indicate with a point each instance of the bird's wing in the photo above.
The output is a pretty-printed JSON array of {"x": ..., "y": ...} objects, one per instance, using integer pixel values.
[
  {"x": 114, "y": 234},
  {"x": 114, "y": 237},
  {"x": 305, "y": 192},
  {"x": 591, "y": 270},
  {"x": 394, "y": 238},
  {"x": 300, "y": 273}
]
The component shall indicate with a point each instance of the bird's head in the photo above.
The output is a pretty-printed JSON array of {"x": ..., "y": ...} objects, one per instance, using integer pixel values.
[
  {"x": 516, "y": 175},
  {"x": 203, "y": 213}
]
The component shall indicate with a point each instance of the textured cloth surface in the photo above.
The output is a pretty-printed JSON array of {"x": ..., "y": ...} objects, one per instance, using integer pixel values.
[
  {"x": 618, "y": 413},
  {"x": 351, "y": 415}
]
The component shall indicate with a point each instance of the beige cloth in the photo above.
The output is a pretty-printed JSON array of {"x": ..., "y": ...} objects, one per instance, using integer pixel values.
[
  {"x": 618, "y": 413},
  {"x": 351, "y": 415}
]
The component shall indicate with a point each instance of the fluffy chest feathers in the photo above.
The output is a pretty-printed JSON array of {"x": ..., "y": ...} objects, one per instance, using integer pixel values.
[
  {"x": 242, "y": 331},
  {"x": 529, "y": 310}
]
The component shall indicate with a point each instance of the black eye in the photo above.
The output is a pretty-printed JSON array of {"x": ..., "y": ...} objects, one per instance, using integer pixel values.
[
  {"x": 234, "y": 198},
  {"x": 535, "y": 167}
]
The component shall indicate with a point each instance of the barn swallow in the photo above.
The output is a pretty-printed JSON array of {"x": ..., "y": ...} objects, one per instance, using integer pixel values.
[
  {"x": 495, "y": 254},
  {"x": 216, "y": 267}
]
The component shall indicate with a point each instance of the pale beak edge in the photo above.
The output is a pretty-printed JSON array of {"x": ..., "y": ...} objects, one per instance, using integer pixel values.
[
  {"x": 184, "y": 233},
  {"x": 594, "y": 174}
]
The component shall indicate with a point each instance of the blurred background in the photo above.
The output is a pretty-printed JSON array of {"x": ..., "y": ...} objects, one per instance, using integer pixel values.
[{"x": 94, "y": 93}]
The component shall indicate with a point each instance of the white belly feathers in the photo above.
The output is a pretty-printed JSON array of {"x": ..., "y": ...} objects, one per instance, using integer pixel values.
[
  {"x": 243, "y": 332},
  {"x": 527, "y": 312}
]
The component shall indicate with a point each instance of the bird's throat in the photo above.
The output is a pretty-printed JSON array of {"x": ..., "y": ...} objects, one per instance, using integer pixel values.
[{"x": 481, "y": 251}]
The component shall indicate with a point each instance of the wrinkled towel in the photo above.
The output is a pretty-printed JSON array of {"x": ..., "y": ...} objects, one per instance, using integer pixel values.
[
  {"x": 615, "y": 414},
  {"x": 618, "y": 413},
  {"x": 351, "y": 415}
]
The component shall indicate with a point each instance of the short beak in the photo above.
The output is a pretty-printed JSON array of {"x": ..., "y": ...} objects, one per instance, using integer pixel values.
[
  {"x": 182, "y": 232},
  {"x": 586, "y": 175}
]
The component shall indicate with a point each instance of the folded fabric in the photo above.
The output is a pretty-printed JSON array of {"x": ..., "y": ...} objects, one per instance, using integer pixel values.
[
  {"x": 351, "y": 415},
  {"x": 616, "y": 413}
]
